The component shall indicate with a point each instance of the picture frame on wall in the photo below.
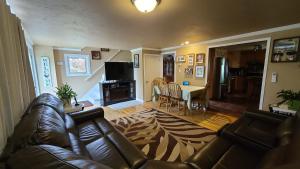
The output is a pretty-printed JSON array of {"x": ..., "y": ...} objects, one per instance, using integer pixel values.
[
  {"x": 191, "y": 59},
  {"x": 46, "y": 72},
  {"x": 136, "y": 60},
  {"x": 96, "y": 55},
  {"x": 199, "y": 71},
  {"x": 286, "y": 50},
  {"x": 200, "y": 58},
  {"x": 188, "y": 71},
  {"x": 181, "y": 59}
]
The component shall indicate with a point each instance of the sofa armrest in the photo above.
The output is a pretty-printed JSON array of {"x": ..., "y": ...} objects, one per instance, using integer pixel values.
[
  {"x": 83, "y": 116},
  {"x": 229, "y": 133},
  {"x": 47, "y": 156},
  {"x": 2, "y": 165},
  {"x": 266, "y": 116}
]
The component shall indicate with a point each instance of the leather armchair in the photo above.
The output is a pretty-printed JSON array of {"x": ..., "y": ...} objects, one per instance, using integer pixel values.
[{"x": 256, "y": 129}]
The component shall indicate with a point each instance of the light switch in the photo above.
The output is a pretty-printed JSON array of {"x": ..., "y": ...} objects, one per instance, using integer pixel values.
[{"x": 274, "y": 77}]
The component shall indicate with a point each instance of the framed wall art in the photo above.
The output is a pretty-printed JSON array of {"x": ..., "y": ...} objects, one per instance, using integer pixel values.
[
  {"x": 200, "y": 57},
  {"x": 188, "y": 71},
  {"x": 77, "y": 65},
  {"x": 136, "y": 60},
  {"x": 191, "y": 59},
  {"x": 199, "y": 71},
  {"x": 286, "y": 50},
  {"x": 181, "y": 58},
  {"x": 47, "y": 80},
  {"x": 96, "y": 55}
]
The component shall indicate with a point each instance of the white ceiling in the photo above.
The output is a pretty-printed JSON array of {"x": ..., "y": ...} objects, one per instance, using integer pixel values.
[{"x": 117, "y": 24}]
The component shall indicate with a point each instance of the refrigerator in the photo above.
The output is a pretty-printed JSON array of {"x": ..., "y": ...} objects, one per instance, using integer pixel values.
[{"x": 220, "y": 84}]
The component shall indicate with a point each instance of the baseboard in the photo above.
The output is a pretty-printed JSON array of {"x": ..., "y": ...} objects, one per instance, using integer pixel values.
[{"x": 140, "y": 100}]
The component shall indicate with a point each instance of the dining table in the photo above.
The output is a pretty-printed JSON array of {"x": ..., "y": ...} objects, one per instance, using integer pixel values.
[{"x": 189, "y": 92}]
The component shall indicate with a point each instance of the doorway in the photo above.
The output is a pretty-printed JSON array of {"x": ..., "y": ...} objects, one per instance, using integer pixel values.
[
  {"x": 236, "y": 74},
  {"x": 152, "y": 70},
  {"x": 168, "y": 67}
]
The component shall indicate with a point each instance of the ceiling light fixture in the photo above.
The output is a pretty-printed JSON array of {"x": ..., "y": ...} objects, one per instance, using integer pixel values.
[
  {"x": 146, "y": 6},
  {"x": 186, "y": 42}
]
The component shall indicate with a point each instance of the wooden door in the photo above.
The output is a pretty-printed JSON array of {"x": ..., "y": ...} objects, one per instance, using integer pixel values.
[{"x": 153, "y": 69}]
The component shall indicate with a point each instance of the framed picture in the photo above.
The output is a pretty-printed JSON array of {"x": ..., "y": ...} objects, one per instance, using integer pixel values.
[
  {"x": 96, "y": 55},
  {"x": 200, "y": 57},
  {"x": 191, "y": 59},
  {"x": 77, "y": 65},
  {"x": 286, "y": 50},
  {"x": 47, "y": 81},
  {"x": 188, "y": 71},
  {"x": 136, "y": 60},
  {"x": 181, "y": 58},
  {"x": 199, "y": 71}
]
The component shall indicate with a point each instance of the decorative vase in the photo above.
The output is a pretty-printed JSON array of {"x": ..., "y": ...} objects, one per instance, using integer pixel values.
[{"x": 67, "y": 102}]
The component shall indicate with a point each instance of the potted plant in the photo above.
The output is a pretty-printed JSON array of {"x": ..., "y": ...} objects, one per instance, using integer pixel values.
[
  {"x": 65, "y": 93},
  {"x": 291, "y": 98}
]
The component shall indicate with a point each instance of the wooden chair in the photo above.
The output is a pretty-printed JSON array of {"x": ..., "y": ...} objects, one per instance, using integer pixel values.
[
  {"x": 176, "y": 96},
  {"x": 164, "y": 97},
  {"x": 201, "y": 100},
  {"x": 157, "y": 81},
  {"x": 155, "y": 85}
]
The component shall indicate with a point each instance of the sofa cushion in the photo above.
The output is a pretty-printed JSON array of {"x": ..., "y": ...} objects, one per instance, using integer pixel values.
[
  {"x": 50, "y": 157},
  {"x": 106, "y": 145},
  {"x": 51, "y": 101},
  {"x": 134, "y": 157},
  {"x": 42, "y": 125},
  {"x": 285, "y": 131},
  {"x": 152, "y": 164},
  {"x": 273, "y": 157},
  {"x": 258, "y": 131},
  {"x": 238, "y": 157},
  {"x": 100, "y": 148},
  {"x": 210, "y": 154},
  {"x": 103, "y": 151}
]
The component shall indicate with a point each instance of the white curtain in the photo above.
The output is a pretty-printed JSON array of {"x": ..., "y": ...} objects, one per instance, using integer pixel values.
[{"x": 16, "y": 83}]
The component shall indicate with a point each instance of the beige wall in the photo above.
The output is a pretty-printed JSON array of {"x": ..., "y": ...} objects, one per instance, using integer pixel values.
[
  {"x": 288, "y": 73},
  {"x": 139, "y": 75},
  {"x": 140, "y": 72},
  {"x": 81, "y": 84},
  {"x": 40, "y": 51},
  {"x": 179, "y": 68}
]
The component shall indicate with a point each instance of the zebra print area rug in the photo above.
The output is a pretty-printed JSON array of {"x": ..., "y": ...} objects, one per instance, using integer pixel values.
[{"x": 162, "y": 136}]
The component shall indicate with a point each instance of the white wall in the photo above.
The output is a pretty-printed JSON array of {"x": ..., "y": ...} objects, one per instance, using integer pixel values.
[{"x": 39, "y": 52}]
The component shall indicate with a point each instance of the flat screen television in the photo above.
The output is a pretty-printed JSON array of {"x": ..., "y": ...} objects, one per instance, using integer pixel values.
[{"x": 121, "y": 71}]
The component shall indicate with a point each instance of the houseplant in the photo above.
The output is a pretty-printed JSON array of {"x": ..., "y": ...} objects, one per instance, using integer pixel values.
[
  {"x": 65, "y": 93},
  {"x": 291, "y": 98}
]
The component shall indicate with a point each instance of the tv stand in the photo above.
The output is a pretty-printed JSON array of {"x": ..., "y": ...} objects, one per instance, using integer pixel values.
[{"x": 112, "y": 92}]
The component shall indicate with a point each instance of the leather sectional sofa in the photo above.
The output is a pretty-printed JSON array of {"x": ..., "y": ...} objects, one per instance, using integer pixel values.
[{"x": 47, "y": 138}]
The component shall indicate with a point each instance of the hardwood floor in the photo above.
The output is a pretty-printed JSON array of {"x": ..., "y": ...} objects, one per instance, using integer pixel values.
[{"x": 211, "y": 119}]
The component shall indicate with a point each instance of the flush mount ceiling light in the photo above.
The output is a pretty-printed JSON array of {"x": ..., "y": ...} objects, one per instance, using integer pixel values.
[{"x": 146, "y": 6}]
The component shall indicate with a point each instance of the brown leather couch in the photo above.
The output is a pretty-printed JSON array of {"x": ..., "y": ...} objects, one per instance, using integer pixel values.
[{"x": 47, "y": 138}]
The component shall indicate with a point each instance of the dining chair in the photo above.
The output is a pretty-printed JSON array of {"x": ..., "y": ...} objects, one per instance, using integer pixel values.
[
  {"x": 155, "y": 86},
  {"x": 164, "y": 96},
  {"x": 201, "y": 100},
  {"x": 176, "y": 96},
  {"x": 157, "y": 81}
]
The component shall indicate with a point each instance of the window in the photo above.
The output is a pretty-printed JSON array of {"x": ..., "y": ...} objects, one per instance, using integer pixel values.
[{"x": 77, "y": 65}]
